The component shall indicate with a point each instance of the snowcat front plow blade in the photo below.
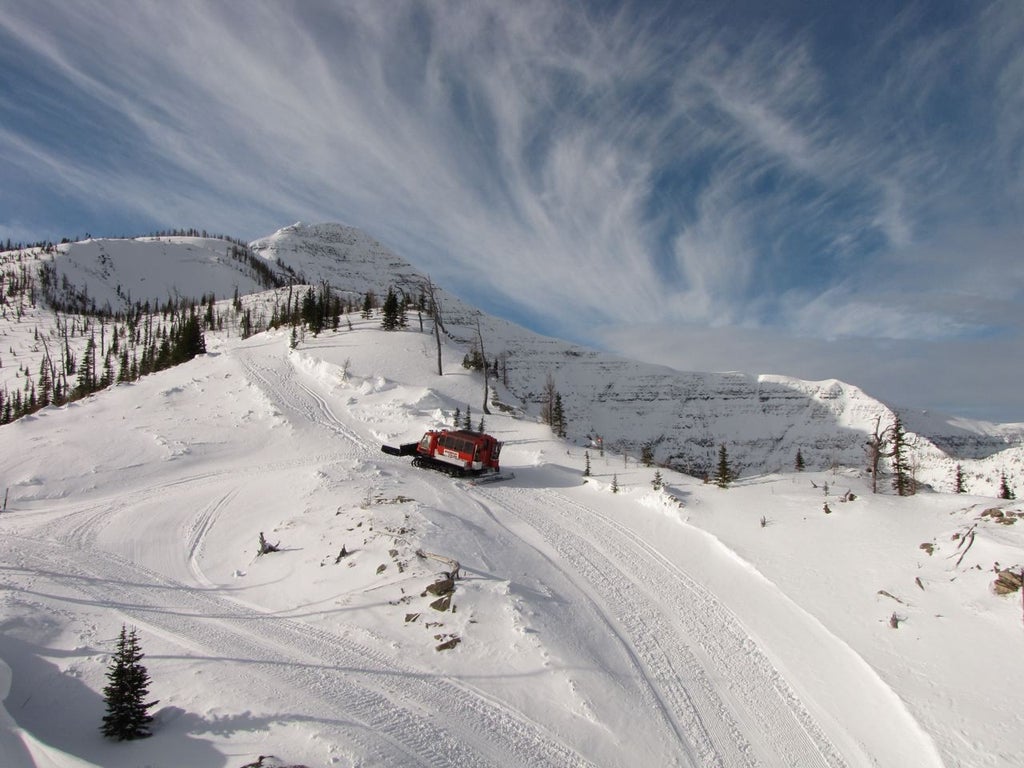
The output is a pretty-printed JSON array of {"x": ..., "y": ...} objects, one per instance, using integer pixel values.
[{"x": 405, "y": 449}]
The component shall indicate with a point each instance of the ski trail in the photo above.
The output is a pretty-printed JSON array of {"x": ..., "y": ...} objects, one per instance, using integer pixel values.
[
  {"x": 693, "y": 739},
  {"x": 397, "y": 715},
  {"x": 693, "y": 649}
]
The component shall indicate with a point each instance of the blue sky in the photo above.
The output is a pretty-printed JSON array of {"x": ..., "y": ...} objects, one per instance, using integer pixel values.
[{"x": 814, "y": 189}]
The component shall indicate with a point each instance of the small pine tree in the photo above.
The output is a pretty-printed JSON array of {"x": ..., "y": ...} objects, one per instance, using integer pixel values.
[
  {"x": 467, "y": 423},
  {"x": 125, "y": 694},
  {"x": 901, "y": 476},
  {"x": 481, "y": 426},
  {"x": 647, "y": 454},
  {"x": 390, "y": 312},
  {"x": 586, "y": 463},
  {"x": 615, "y": 483},
  {"x": 723, "y": 475},
  {"x": 799, "y": 463},
  {"x": 1005, "y": 491},
  {"x": 558, "y": 417},
  {"x": 657, "y": 483},
  {"x": 959, "y": 484},
  {"x": 457, "y": 418}
]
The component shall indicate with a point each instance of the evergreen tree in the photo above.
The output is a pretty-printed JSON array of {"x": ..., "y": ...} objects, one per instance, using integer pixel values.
[
  {"x": 558, "y": 416},
  {"x": 586, "y": 463},
  {"x": 481, "y": 427},
  {"x": 126, "y": 691},
  {"x": 308, "y": 311},
  {"x": 723, "y": 475},
  {"x": 657, "y": 483},
  {"x": 457, "y": 418},
  {"x": 87, "y": 370},
  {"x": 901, "y": 478},
  {"x": 124, "y": 369},
  {"x": 959, "y": 485},
  {"x": 799, "y": 463},
  {"x": 390, "y": 312},
  {"x": 647, "y": 454},
  {"x": 191, "y": 341},
  {"x": 44, "y": 383},
  {"x": 467, "y": 423},
  {"x": 108, "y": 371},
  {"x": 615, "y": 483},
  {"x": 473, "y": 360},
  {"x": 1005, "y": 491}
]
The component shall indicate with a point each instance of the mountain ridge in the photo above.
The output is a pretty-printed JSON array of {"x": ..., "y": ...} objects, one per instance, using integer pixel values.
[{"x": 682, "y": 416}]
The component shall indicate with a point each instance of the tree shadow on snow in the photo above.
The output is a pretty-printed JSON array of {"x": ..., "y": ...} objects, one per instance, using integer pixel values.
[{"x": 59, "y": 710}]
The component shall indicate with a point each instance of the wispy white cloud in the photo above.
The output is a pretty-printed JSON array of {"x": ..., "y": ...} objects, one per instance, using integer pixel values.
[{"x": 582, "y": 165}]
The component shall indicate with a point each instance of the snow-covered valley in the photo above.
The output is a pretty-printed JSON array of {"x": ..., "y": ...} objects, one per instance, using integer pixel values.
[{"x": 690, "y": 626}]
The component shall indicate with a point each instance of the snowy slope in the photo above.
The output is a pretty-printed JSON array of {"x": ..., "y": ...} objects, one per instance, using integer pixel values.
[
  {"x": 595, "y": 628},
  {"x": 118, "y": 272}
]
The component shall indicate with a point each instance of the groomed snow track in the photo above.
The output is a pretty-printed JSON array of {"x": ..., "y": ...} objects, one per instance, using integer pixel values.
[
  {"x": 396, "y": 715},
  {"x": 715, "y": 687}
]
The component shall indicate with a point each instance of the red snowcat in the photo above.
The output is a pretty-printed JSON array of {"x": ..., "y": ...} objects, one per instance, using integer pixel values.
[{"x": 459, "y": 453}]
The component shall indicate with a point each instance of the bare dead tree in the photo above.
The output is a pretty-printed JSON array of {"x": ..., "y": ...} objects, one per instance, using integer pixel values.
[
  {"x": 876, "y": 446},
  {"x": 434, "y": 308},
  {"x": 503, "y": 361},
  {"x": 483, "y": 357},
  {"x": 547, "y": 412}
]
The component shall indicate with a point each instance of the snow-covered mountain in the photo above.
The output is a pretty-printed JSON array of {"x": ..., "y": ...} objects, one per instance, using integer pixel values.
[{"x": 683, "y": 416}]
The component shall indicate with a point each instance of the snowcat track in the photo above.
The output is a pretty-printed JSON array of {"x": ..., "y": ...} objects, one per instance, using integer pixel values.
[{"x": 480, "y": 476}]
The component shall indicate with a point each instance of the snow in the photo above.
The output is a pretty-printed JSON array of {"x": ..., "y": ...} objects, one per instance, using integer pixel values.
[
  {"x": 119, "y": 271},
  {"x": 637, "y": 628},
  {"x": 642, "y": 627}
]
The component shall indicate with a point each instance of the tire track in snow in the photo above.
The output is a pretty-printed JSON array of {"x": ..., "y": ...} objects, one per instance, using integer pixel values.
[
  {"x": 694, "y": 739},
  {"x": 731, "y": 641},
  {"x": 82, "y": 525},
  {"x": 689, "y": 701},
  {"x": 285, "y": 390},
  {"x": 675, "y": 623},
  {"x": 398, "y": 715},
  {"x": 197, "y": 531}
]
